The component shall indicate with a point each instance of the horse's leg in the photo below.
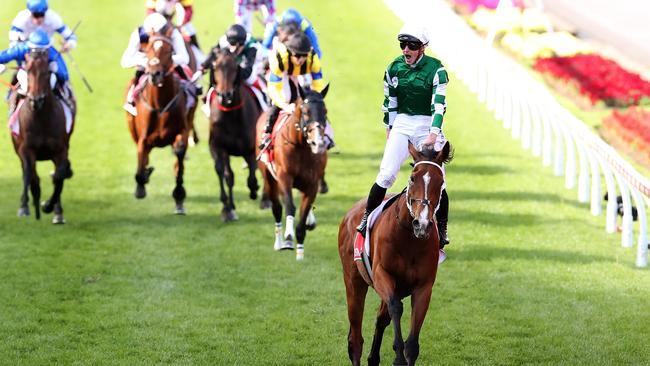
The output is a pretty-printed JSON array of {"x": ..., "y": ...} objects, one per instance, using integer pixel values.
[
  {"x": 35, "y": 187},
  {"x": 301, "y": 229},
  {"x": 271, "y": 191},
  {"x": 285, "y": 184},
  {"x": 26, "y": 161},
  {"x": 383, "y": 319},
  {"x": 252, "y": 179},
  {"x": 142, "y": 173},
  {"x": 385, "y": 287},
  {"x": 180, "y": 148},
  {"x": 220, "y": 168},
  {"x": 355, "y": 290},
  {"x": 419, "y": 306},
  {"x": 230, "y": 181},
  {"x": 54, "y": 202}
]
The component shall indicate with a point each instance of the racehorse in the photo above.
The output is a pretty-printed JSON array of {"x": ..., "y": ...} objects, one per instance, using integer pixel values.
[
  {"x": 404, "y": 254},
  {"x": 233, "y": 114},
  {"x": 42, "y": 136},
  {"x": 300, "y": 157},
  {"x": 162, "y": 117}
]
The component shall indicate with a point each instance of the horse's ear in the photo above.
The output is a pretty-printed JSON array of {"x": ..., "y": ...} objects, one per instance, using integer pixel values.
[
  {"x": 302, "y": 92},
  {"x": 414, "y": 153},
  {"x": 323, "y": 93},
  {"x": 446, "y": 154}
]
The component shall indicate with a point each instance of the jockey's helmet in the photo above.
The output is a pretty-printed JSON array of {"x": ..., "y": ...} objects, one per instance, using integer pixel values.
[
  {"x": 413, "y": 33},
  {"x": 236, "y": 35},
  {"x": 154, "y": 22},
  {"x": 291, "y": 15},
  {"x": 299, "y": 44},
  {"x": 37, "y": 6},
  {"x": 165, "y": 7},
  {"x": 38, "y": 39}
]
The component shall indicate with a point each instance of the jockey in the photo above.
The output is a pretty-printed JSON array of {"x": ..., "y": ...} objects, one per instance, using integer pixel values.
[
  {"x": 39, "y": 41},
  {"x": 135, "y": 56},
  {"x": 183, "y": 10},
  {"x": 39, "y": 16},
  {"x": 292, "y": 16},
  {"x": 414, "y": 105},
  {"x": 245, "y": 49},
  {"x": 296, "y": 57},
  {"x": 244, "y": 10}
]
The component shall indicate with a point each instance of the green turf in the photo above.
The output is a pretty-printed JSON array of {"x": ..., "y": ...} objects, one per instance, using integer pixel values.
[{"x": 531, "y": 278}]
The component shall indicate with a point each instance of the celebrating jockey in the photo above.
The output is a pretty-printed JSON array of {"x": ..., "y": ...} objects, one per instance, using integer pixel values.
[
  {"x": 135, "y": 56},
  {"x": 292, "y": 16},
  {"x": 38, "y": 41},
  {"x": 183, "y": 11},
  {"x": 245, "y": 49},
  {"x": 295, "y": 57},
  {"x": 414, "y": 105},
  {"x": 244, "y": 10},
  {"x": 39, "y": 16}
]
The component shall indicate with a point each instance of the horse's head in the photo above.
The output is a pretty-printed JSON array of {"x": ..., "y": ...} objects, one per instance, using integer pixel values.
[
  {"x": 425, "y": 187},
  {"x": 313, "y": 117},
  {"x": 159, "y": 55},
  {"x": 226, "y": 77},
  {"x": 38, "y": 77}
]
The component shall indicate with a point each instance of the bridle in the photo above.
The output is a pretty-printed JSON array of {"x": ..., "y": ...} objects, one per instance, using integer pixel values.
[
  {"x": 37, "y": 100},
  {"x": 155, "y": 61},
  {"x": 233, "y": 91},
  {"x": 304, "y": 123},
  {"x": 423, "y": 201}
]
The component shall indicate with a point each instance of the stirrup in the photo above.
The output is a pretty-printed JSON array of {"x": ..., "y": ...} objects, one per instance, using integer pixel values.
[{"x": 363, "y": 225}]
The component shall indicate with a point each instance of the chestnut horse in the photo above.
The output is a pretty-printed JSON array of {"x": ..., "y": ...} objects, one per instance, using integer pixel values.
[
  {"x": 233, "y": 114},
  {"x": 162, "y": 118},
  {"x": 300, "y": 156},
  {"x": 42, "y": 136},
  {"x": 404, "y": 255}
]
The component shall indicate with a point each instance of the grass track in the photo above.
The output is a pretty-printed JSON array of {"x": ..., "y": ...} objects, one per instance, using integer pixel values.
[{"x": 532, "y": 278}]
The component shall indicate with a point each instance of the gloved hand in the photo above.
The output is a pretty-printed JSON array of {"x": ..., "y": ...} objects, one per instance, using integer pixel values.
[{"x": 67, "y": 46}]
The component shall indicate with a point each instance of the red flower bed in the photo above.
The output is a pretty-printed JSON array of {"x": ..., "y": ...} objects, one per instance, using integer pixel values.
[{"x": 599, "y": 79}]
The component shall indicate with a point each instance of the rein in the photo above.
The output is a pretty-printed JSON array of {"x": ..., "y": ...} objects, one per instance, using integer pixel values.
[
  {"x": 170, "y": 104},
  {"x": 423, "y": 201},
  {"x": 223, "y": 108}
]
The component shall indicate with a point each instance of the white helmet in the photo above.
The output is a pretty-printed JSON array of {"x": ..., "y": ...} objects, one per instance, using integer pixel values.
[
  {"x": 165, "y": 7},
  {"x": 413, "y": 33},
  {"x": 154, "y": 22}
]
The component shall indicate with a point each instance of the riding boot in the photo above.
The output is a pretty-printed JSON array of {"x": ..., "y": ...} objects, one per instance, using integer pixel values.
[
  {"x": 441, "y": 218},
  {"x": 375, "y": 197},
  {"x": 273, "y": 114},
  {"x": 194, "y": 41}
]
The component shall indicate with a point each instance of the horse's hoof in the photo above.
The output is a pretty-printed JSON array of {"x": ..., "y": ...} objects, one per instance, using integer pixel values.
[
  {"x": 310, "y": 227},
  {"x": 23, "y": 212},
  {"x": 180, "y": 210},
  {"x": 47, "y": 207},
  {"x": 300, "y": 252},
  {"x": 287, "y": 245},
  {"x": 324, "y": 188},
  {"x": 277, "y": 245},
  {"x": 140, "y": 192},
  {"x": 191, "y": 141},
  {"x": 228, "y": 216},
  {"x": 252, "y": 195},
  {"x": 58, "y": 219},
  {"x": 265, "y": 204}
]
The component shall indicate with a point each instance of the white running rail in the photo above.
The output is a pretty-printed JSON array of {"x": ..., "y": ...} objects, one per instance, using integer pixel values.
[{"x": 527, "y": 108}]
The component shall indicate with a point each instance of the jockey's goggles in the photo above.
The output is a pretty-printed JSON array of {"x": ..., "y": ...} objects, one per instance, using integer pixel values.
[
  {"x": 413, "y": 46},
  {"x": 300, "y": 55},
  {"x": 38, "y": 15}
]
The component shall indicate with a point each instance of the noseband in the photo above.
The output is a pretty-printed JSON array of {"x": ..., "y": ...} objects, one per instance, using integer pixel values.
[{"x": 423, "y": 201}]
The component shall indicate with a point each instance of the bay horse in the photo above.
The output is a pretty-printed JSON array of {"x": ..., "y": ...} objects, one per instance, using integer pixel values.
[
  {"x": 300, "y": 157},
  {"x": 233, "y": 114},
  {"x": 42, "y": 136},
  {"x": 162, "y": 117},
  {"x": 404, "y": 250}
]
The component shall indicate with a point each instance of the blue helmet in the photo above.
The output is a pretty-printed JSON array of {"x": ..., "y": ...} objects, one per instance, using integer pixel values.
[
  {"x": 38, "y": 39},
  {"x": 291, "y": 15},
  {"x": 37, "y": 6}
]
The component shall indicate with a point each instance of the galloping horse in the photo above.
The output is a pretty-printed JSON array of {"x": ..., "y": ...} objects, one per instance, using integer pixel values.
[
  {"x": 42, "y": 136},
  {"x": 233, "y": 114},
  {"x": 300, "y": 156},
  {"x": 162, "y": 118},
  {"x": 404, "y": 254}
]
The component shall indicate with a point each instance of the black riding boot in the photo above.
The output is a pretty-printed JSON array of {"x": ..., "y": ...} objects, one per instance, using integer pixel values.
[
  {"x": 441, "y": 218},
  {"x": 273, "y": 114},
  {"x": 375, "y": 197},
  {"x": 194, "y": 41}
]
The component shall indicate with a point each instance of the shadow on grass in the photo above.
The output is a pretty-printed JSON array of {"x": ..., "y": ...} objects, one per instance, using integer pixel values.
[
  {"x": 478, "y": 169},
  {"x": 508, "y": 196}
]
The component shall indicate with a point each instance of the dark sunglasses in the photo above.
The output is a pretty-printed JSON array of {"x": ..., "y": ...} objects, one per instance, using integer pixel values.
[
  {"x": 300, "y": 55},
  {"x": 413, "y": 46},
  {"x": 38, "y": 15}
]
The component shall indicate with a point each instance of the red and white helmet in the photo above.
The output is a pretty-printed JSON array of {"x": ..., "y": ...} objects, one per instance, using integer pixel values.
[{"x": 411, "y": 32}]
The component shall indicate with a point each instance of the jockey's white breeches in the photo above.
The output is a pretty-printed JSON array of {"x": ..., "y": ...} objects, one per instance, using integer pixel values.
[{"x": 413, "y": 129}]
